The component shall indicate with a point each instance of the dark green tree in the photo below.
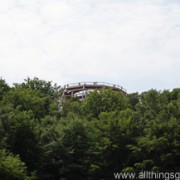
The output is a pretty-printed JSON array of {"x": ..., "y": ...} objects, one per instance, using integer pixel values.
[{"x": 4, "y": 88}]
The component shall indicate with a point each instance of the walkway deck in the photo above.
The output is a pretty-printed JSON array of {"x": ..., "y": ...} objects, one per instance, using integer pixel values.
[{"x": 80, "y": 89}]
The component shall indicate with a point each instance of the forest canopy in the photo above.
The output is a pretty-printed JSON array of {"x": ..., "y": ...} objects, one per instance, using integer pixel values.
[{"x": 47, "y": 138}]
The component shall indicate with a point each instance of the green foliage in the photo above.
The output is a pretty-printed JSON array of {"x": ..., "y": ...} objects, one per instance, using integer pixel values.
[
  {"x": 107, "y": 132},
  {"x": 4, "y": 88},
  {"x": 72, "y": 106},
  {"x": 27, "y": 100},
  {"x": 11, "y": 167},
  {"x": 112, "y": 134},
  {"x": 41, "y": 86},
  {"x": 105, "y": 100},
  {"x": 21, "y": 137}
]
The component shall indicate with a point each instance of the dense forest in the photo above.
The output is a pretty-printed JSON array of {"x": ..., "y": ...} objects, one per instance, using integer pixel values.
[{"x": 43, "y": 137}]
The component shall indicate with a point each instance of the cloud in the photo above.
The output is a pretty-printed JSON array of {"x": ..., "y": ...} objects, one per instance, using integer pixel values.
[{"x": 131, "y": 43}]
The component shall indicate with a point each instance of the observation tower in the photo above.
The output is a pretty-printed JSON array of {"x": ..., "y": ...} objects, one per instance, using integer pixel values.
[{"x": 81, "y": 89}]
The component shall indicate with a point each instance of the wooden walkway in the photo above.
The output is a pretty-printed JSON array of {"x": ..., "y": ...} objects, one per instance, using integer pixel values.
[{"x": 81, "y": 89}]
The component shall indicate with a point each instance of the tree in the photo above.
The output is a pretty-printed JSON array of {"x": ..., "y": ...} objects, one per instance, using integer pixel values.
[
  {"x": 23, "y": 99},
  {"x": 21, "y": 138},
  {"x": 4, "y": 88},
  {"x": 66, "y": 149},
  {"x": 133, "y": 99},
  {"x": 105, "y": 100},
  {"x": 43, "y": 87},
  {"x": 112, "y": 134},
  {"x": 11, "y": 167}
]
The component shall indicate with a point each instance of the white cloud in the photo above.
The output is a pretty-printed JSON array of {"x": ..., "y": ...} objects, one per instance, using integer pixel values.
[{"x": 131, "y": 43}]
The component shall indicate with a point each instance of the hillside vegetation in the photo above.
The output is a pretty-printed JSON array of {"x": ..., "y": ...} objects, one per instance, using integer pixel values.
[{"x": 44, "y": 138}]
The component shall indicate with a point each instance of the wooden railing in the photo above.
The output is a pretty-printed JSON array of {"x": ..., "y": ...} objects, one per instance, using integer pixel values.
[{"x": 95, "y": 84}]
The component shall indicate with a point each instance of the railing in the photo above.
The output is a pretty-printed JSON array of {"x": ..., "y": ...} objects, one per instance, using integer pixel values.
[{"x": 94, "y": 84}]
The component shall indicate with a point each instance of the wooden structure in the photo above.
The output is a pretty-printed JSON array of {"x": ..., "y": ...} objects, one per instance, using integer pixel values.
[{"x": 81, "y": 89}]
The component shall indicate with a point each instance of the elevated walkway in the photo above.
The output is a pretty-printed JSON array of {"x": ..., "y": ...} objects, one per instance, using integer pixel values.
[{"x": 81, "y": 89}]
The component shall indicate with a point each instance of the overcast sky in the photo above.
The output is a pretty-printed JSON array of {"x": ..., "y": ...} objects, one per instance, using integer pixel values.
[{"x": 133, "y": 43}]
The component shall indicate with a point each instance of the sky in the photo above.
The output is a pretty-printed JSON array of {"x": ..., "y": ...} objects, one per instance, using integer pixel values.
[{"x": 132, "y": 43}]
